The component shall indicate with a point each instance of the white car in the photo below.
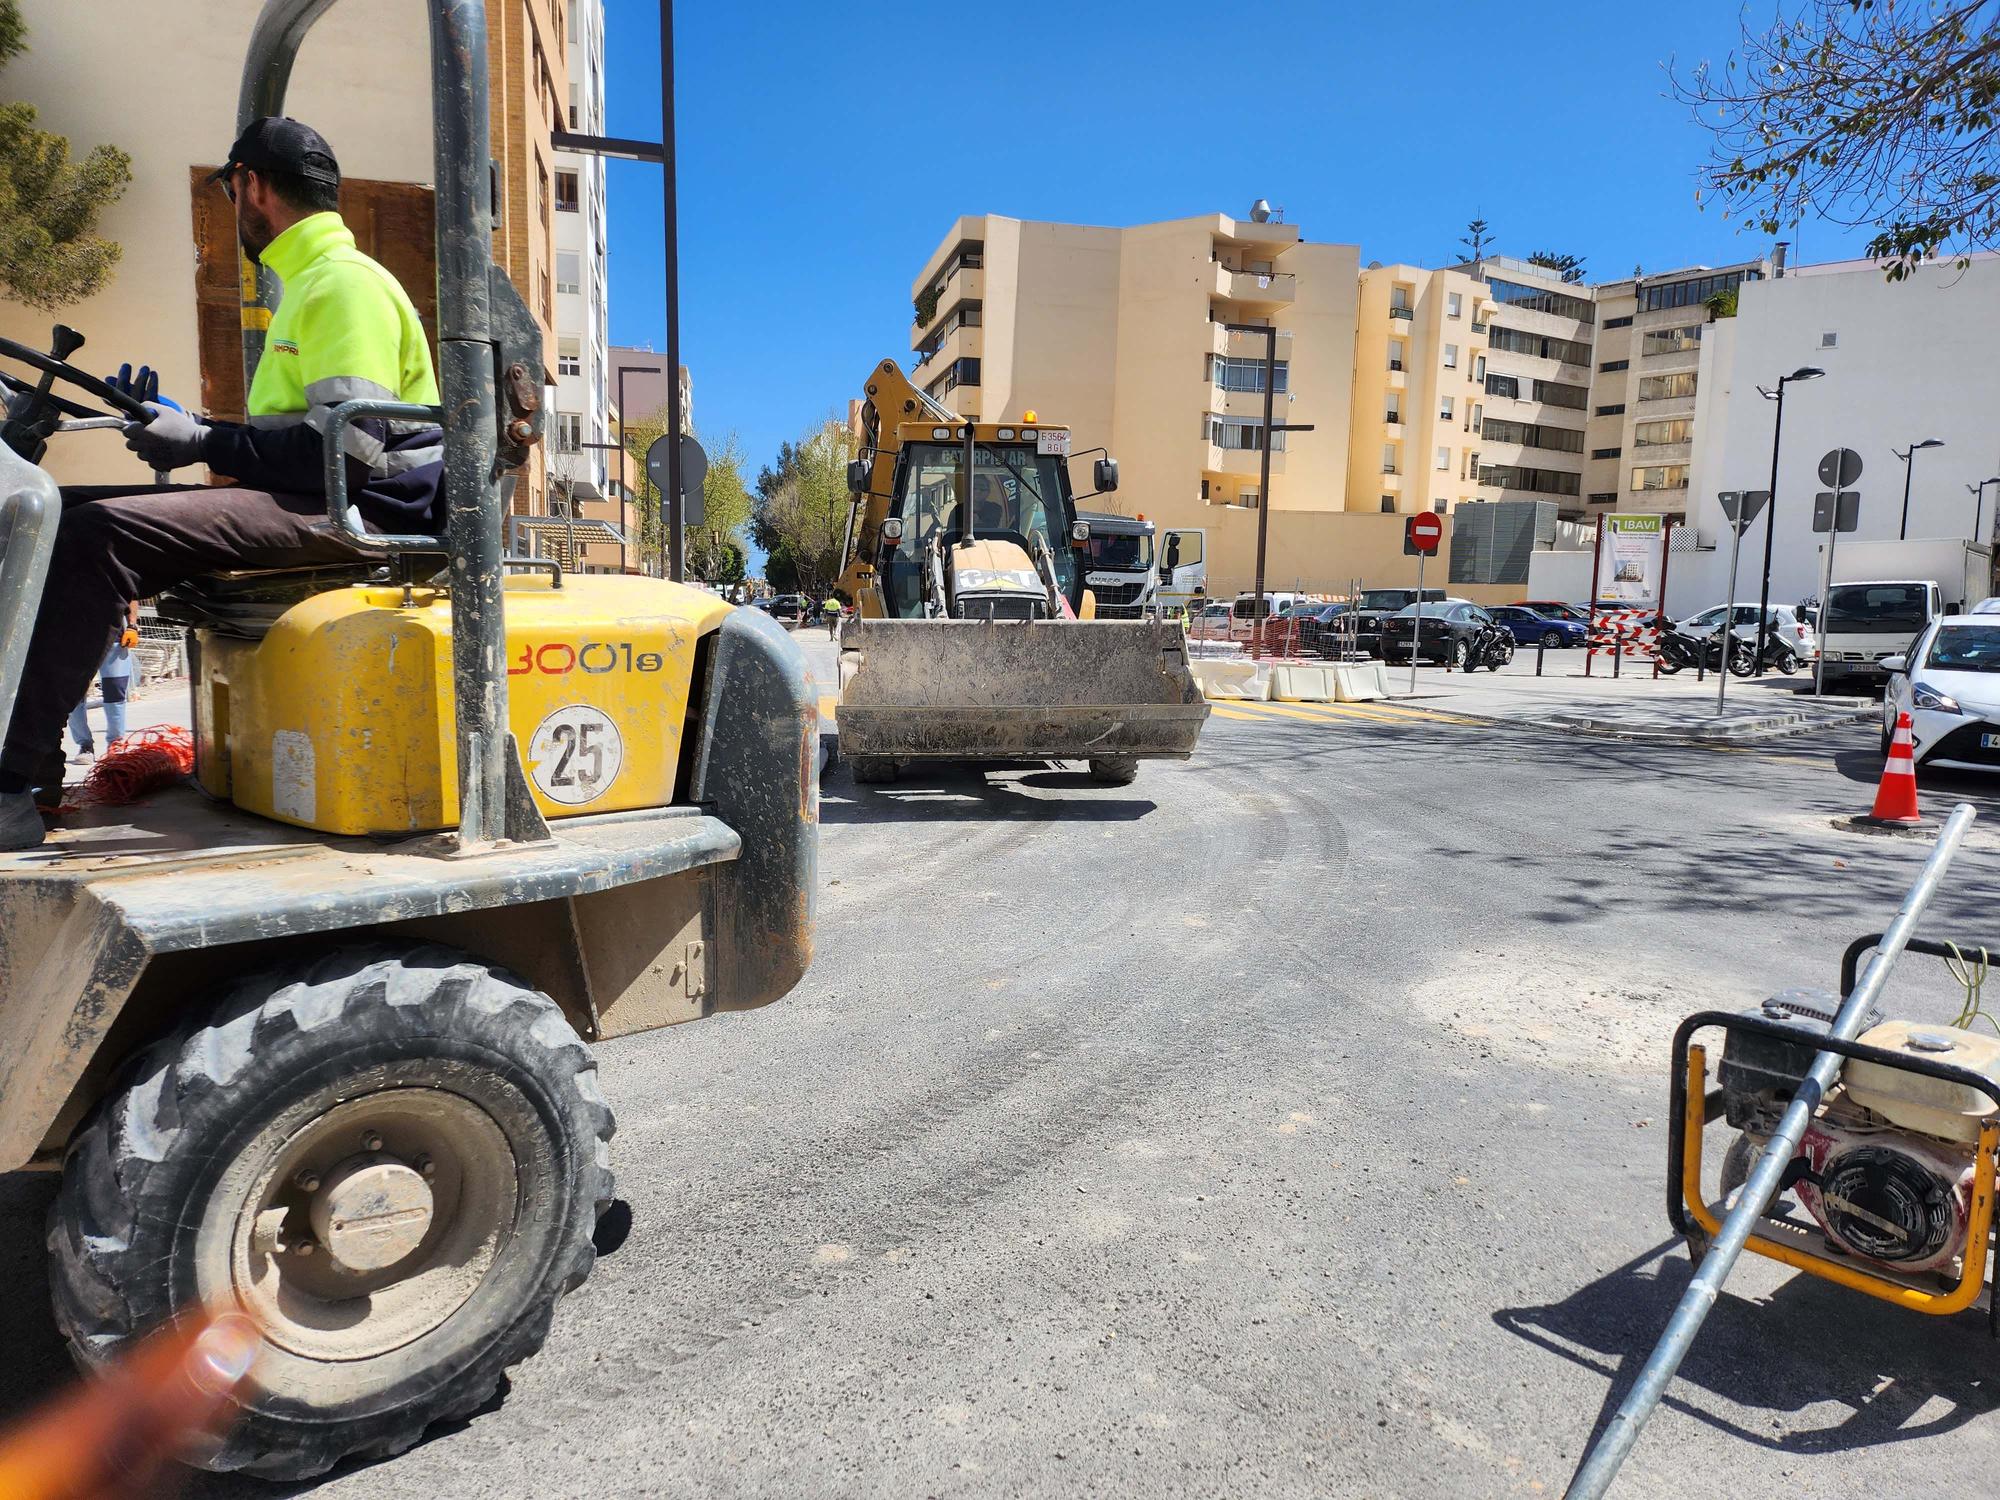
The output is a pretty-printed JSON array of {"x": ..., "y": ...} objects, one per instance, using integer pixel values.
[
  {"x": 1784, "y": 619},
  {"x": 1949, "y": 685}
]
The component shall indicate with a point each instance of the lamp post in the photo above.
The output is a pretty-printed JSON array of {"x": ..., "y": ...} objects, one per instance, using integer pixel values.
[
  {"x": 1270, "y": 332},
  {"x": 1804, "y": 372},
  {"x": 1978, "y": 493},
  {"x": 1908, "y": 456}
]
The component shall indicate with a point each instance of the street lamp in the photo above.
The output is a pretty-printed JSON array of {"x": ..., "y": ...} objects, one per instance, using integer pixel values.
[
  {"x": 1270, "y": 335},
  {"x": 1978, "y": 493},
  {"x": 1906, "y": 456},
  {"x": 1804, "y": 372}
]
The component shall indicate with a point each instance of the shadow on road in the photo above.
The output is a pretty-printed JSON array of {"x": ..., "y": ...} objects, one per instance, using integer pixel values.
[
  {"x": 1809, "y": 1344},
  {"x": 968, "y": 794}
]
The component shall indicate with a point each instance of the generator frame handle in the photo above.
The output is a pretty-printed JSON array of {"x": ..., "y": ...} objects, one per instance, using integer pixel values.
[{"x": 1850, "y": 961}]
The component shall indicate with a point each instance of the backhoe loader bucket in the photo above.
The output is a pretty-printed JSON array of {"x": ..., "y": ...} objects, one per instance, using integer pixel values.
[{"x": 1029, "y": 690}]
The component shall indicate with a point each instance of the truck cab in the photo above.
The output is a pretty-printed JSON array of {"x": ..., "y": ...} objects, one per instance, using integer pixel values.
[
  {"x": 1118, "y": 565},
  {"x": 1863, "y": 622}
]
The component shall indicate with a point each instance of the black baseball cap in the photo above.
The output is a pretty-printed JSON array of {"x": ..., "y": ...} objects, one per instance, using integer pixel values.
[{"x": 277, "y": 143}]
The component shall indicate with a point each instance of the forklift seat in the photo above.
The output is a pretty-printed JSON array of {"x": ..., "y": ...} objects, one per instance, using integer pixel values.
[{"x": 247, "y": 603}]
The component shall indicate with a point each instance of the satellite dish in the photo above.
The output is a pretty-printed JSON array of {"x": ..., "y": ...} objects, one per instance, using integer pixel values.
[
  {"x": 1260, "y": 211},
  {"x": 1374, "y": 265}
]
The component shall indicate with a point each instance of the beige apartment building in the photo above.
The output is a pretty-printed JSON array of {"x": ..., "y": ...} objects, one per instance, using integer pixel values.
[
  {"x": 1417, "y": 394},
  {"x": 1125, "y": 335},
  {"x": 1643, "y": 394},
  {"x": 363, "y": 80}
]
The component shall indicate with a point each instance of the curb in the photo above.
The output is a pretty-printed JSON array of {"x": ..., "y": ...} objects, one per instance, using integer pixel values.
[{"x": 1739, "y": 732}]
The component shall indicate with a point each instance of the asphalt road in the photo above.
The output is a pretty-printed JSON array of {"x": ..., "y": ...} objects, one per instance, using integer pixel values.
[{"x": 1289, "y": 1122}]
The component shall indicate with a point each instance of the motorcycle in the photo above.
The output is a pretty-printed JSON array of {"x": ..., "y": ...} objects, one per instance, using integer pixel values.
[
  {"x": 1677, "y": 648},
  {"x": 1492, "y": 647},
  {"x": 1777, "y": 653}
]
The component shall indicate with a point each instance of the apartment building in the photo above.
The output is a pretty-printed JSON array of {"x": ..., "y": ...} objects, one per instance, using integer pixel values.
[
  {"x": 638, "y": 380},
  {"x": 1418, "y": 397},
  {"x": 362, "y": 80},
  {"x": 1645, "y": 383},
  {"x": 1534, "y": 383},
  {"x": 1148, "y": 340},
  {"x": 579, "y": 461}
]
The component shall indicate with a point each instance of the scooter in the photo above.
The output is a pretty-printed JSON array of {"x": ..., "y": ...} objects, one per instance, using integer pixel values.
[
  {"x": 1678, "y": 648},
  {"x": 1777, "y": 653}
]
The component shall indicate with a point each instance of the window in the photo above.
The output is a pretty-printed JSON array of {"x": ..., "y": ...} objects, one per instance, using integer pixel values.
[
  {"x": 1659, "y": 434},
  {"x": 1399, "y": 300},
  {"x": 1438, "y": 506},
  {"x": 541, "y": 189},
  {"x": 1615, "y": 409},
  {"x": 1610, "y": 366},
  {"x": 1542, "y": 299},
  {"x": 1479, "y": 369},
  {"x": 572, "y": 101},
  {"x": 1606, "y": 452},
  {"x": 1554, "y": 393},
  {"x": 569, "y": 357},
  {"x": 1666, "y": 387},
  {"x": 1444, "y": 408},
  {"x": 1605, "y": 499},
  {"x": 569, "y": 431},
  {"x": 1239, "y": 435},
  {"x": 1624, "y": 322},
  {"x": 1671, "y": 340},
  {"x": 565, "y": 191},
  {"x": 1534, "y": 481},
  {"x": 1540, "y": 346},
  {"x": 1693, "y": 293},
  {"x": 1388, "y": 458},
  {"x": 1661, "y": 477},
  {"x": 1451, "y": 356},
  {"x": 1453, "y": 304},
  {"x": 1503, "y": 385},
  {"x": 1444, "y": 460},
  {"x": 569, "y": 271},
  {"x": 1231, "y": 373},
  {"x": 1247, "y": 499},
  {"x": 1395, "y": 354},
  {"x": 1533, "y": 435},
  {"x": 1388, "y": 505}
]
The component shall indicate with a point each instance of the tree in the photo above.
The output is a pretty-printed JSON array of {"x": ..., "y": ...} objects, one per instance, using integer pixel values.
[
  {"x": 1569, "y": 267},
  {"x": 725, "y": 501},
  {"x": 1865, "y": 114},
  {"x": 49, "y": 205},
  {"x": 1476, "y": 239},
  {"x": 1721, "y": 304},
  {"x": 805, "y": 513}
]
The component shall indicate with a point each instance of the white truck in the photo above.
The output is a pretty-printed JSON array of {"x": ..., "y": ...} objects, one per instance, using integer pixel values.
[
  {"x": 1885, "y": 592},
  {"x": 1118, "y": 566}
]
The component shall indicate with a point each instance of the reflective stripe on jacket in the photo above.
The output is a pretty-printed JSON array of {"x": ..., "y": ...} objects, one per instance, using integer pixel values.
[{"x": 344, "y": 330}]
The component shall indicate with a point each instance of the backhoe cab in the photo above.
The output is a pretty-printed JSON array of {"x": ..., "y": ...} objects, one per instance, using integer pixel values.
[{"x": 315, "y": 1044}]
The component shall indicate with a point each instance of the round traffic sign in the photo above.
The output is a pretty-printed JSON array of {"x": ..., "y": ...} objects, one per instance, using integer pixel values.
[
  {"x": 1426, "y": 531},
  {"x": 1839, "y": 468}
]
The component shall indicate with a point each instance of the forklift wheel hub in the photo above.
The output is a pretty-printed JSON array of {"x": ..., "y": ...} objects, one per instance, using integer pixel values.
[{"x": 372, "y": 1213}]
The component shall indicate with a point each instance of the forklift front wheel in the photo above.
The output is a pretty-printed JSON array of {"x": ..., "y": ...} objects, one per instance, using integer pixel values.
[{"x": 393, "y": 1159}]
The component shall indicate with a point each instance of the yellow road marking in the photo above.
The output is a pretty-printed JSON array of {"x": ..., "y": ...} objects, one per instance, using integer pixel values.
[{"x": 1388, "y": 713}]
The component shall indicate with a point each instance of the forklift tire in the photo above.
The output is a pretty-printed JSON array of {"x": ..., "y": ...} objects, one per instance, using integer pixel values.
[
  {"x": 1114, "y": 770},
  {"x": 445, "y": 1108},
  {"x": 872, "y": 770}
]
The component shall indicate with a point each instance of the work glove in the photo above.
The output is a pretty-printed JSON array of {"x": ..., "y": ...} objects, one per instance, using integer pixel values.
[
  {"x": 145, "y": 386},
  {"x": 128, "y": 637},
  {"x": 168, "y": 439}
]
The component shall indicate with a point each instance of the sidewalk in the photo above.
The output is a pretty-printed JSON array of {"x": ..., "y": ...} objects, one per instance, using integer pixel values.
[{"x": 1632, "y": 706}]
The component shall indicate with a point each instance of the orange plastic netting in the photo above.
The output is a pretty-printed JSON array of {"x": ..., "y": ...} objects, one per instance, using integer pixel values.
[{"x": 144, "y": 761}]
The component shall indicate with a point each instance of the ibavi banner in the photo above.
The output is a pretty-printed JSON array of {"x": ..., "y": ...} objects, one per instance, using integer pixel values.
[{"x": 1631, "y": 557}]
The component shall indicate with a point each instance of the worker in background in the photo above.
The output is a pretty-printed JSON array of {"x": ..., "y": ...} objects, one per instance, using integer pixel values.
[
  {"x": 345, "y": 330},
  {"x": 831, "y": 612},
  {"x": 114, "y": 679}
]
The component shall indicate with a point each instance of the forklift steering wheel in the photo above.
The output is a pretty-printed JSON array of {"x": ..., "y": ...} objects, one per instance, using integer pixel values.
[{"x": 122, "y": 405}]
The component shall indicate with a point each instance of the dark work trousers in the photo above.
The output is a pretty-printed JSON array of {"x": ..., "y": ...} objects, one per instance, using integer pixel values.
[{"x": 116, "y": 544}]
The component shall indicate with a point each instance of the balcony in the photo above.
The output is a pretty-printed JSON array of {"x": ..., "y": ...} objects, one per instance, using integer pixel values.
[
  {"x": 1249, "y": 404},
  {"x": 1403, "y": 314},
  {"x": 1245, "y": 345},
  {"x": 966, "y": 340},
  {"x": 964, "y": 284},
  {"x": 1253, "y": 288},
  {"x": 1240, "y": 463},
  {"x": 1393, "y": 418}
]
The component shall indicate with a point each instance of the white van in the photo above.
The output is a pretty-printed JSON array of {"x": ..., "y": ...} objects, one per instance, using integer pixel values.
[{"x": 1243, "y": 614}]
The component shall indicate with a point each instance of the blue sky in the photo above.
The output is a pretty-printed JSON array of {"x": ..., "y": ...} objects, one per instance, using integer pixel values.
[{"x": 822, "y": 153}]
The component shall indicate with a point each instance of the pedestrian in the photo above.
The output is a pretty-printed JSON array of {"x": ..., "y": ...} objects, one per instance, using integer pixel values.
[
  {"x": 831, "y": 610},
  {"x": 114, "y": 678}
]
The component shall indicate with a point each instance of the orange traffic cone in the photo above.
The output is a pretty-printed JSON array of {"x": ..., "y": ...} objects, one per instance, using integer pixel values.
[{"x": 1896, "y": 797}]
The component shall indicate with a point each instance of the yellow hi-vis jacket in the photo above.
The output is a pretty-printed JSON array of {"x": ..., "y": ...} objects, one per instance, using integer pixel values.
[{"x": 344, "y": 330}]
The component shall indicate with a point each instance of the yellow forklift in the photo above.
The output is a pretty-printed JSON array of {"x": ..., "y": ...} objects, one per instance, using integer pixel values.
[{"x": 311, "y": 1036}]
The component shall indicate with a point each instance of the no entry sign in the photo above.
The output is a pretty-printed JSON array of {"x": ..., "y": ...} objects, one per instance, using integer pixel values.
[{"x": 1422, "y": 533}]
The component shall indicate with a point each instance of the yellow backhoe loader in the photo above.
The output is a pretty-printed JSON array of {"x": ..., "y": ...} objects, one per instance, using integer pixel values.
[
  {"x": 975, "y": 637},
  {"x": 311, "y": 1038}
]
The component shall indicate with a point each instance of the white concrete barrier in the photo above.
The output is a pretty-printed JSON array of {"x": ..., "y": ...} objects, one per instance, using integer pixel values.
[
  {"x": 1293, "y": 682},
  {"x": 1223, "y": 680},
  {"x": 1361, "y": 682}
]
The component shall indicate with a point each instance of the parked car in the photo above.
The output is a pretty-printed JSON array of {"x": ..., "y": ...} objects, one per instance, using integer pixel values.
[
  {"x": 1531, "y": 628},
  {"x": 1783, "y": 618},
  {"x": 1451, "y": 629},
  {"x": 1557, "y": 609},
  {"x": 1376, "y": 605},
  {"x": 1320, "y": 630},
  {"x": 1949, "y": 685},
  {"x": 789, "y": 608}
]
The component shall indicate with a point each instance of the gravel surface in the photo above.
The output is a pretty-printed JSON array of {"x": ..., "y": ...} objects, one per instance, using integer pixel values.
[{"x": 1286, "y": 1123}]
